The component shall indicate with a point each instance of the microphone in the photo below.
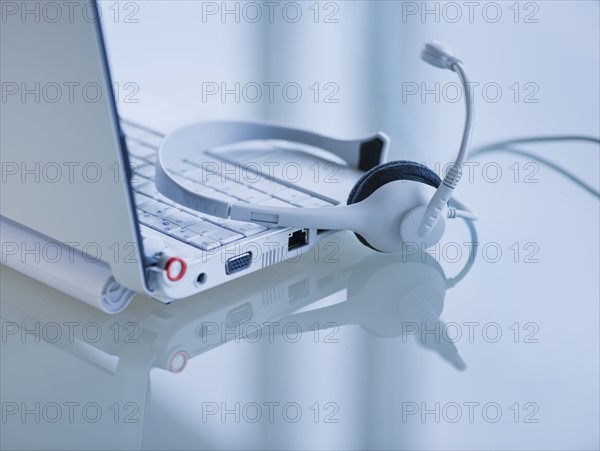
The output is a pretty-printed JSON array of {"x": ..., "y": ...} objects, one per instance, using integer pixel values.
[{"x": 440, "y": 55}]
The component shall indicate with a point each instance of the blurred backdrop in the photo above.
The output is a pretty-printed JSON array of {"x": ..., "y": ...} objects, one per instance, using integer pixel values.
[{"x": 350, "y": 67}]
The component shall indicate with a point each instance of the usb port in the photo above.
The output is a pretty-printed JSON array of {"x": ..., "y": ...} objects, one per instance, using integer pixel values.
[{"x": 297, "y": 239}]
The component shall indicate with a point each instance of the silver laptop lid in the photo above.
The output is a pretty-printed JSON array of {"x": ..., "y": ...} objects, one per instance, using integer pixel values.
[{"x": 64, "y": 165}]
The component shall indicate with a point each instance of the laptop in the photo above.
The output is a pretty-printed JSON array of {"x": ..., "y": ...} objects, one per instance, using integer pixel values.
[{"x": 77, "y": 174}]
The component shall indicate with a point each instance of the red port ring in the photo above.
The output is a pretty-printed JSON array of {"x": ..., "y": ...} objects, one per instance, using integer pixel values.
[
  {"x": 178, "y": 367},
  {"x": 169, "y": 266}
]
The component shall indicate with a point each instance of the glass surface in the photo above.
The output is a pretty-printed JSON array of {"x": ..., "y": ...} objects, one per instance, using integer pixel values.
[{"x": 344, "y": 348}]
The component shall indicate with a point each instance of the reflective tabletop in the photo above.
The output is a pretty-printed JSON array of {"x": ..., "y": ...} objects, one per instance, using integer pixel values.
[{"x": 473, "y": 344}]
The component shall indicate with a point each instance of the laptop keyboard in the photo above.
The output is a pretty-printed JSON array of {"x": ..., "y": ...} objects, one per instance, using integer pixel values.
[{"x": 197, "y": 229}]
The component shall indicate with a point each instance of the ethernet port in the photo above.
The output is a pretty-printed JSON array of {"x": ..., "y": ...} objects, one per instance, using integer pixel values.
[{"x": 297, "y": 239}]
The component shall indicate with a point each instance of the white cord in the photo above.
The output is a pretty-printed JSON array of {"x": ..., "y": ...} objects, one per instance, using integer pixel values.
[
  {"x": 468, "y": 130},
  {"x": 458, "y": 210},
  {"x": 507, "y": 146},
  {"x": 465, "y": 214},
  {"x": 441, "y": 56}
]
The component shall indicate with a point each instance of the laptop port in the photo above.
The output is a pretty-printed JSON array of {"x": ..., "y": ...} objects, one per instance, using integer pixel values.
[
  {"x": 297, "y": 239},
  {"x": 201, "y": 278},
  {"x": 298, "y": 291},
  {"x": 239, "y": 315},
  {"x": 238, "y": 263}
]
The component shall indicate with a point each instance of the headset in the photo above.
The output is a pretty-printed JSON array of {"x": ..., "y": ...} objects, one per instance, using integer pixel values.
[{"x": 409, "y": 200}]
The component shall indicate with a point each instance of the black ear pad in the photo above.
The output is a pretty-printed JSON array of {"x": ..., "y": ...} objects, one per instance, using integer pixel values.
[{"x": 380, "y": 175}]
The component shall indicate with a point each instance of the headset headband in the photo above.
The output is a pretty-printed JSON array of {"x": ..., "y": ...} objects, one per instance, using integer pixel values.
[{"x": 362, "y": 154}]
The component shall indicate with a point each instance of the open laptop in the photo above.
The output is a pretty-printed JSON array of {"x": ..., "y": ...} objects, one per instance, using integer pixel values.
[{"x": 73, "y": 172}]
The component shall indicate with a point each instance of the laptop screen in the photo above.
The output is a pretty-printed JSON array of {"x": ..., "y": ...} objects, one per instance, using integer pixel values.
[{"x": 64, "y": 168}]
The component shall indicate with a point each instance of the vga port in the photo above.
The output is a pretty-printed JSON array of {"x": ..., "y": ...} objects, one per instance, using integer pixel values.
[
  {"x": 239, "y": 315},
  {"x": 238, "y": 263}
]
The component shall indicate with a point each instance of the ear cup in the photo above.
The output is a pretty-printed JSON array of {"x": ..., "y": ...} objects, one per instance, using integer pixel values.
[{"x": 380, "y": 175}]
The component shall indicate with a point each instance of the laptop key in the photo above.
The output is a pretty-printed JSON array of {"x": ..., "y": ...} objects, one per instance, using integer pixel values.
[
  {"x": 138, "y": 182},
  {"x": 291, "y": 195},
  {"x": 164, "y": 199},
  {"x": 158, "y": 209},
  {"x": 141, "y": 151},
  {"x": 235, "y": 172},
  {"x": 208, "y": 177},
  {"x": 196, "y": 175},
  {"x": 164, "y": 226},
  {"x": 204, "y": 162},
  {"x": 183, "y": 234},
  {"x": 191, "y": 211},
  {"x": 136, "y": 162},
  {"x": 204, "y": 243},
  {"x": 147, "y": 171},
  {"x": 203, "y": 227},
  {"x": 244, "y": 228},
  {"x": 252, "y": 196},
  {"x": 182, "y": 219},
  {"x": 265, "y": 185},
  {"x": 215, "y": 220},
  {"x": 156, "y": 223},
  {"x": 141, "y": 200},
  {"x": 147, "y": 219},
  {"x": 130, "y": 130},
  {"x": 224, "y": 236},
  {"x": 224, "y": 185},
  {"x": 151, "y": 139},
  {"x": 148, "y": 188},
  {"x": 230, "y": 187}
]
